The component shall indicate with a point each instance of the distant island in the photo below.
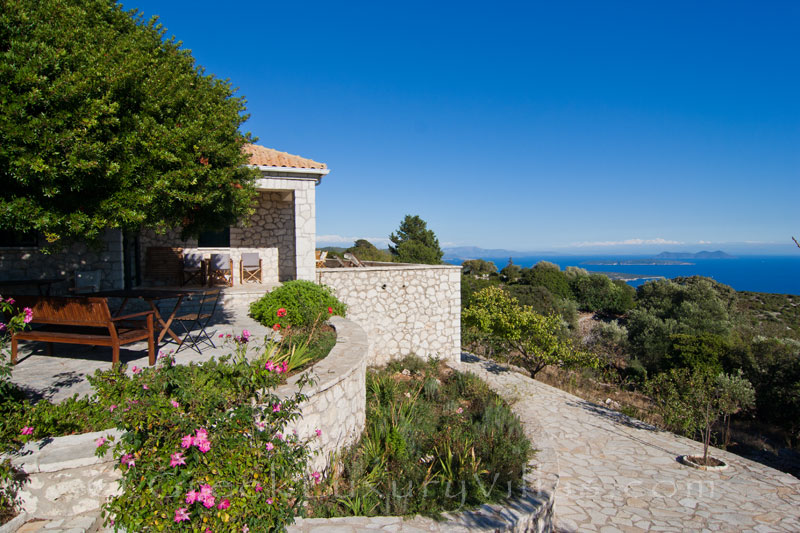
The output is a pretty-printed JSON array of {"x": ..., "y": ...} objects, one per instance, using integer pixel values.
[
  {"x": 699, "y": 255},
  {"x": 619, "y": 262}
]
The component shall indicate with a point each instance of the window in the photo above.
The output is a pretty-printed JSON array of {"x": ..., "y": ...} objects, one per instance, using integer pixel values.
[
  {"x": 10, "y": 238},
  {"x": 215, "y": 239}
]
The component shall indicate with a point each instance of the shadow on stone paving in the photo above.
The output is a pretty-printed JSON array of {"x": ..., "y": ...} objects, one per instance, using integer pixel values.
[
  {"x": 499, "y": 517},
  {"x": 488, "y": 365},
  {"x": 61, "y": 381},
  {"x": 80, "y": 351},
  {"x": 614, "y": 416}
]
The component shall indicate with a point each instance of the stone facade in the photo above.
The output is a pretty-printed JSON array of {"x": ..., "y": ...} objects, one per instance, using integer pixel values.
[
  {"x": 405, "y": 309},
  {"x": 336, "y": 403},
  {"x": 32, "y": 263}
]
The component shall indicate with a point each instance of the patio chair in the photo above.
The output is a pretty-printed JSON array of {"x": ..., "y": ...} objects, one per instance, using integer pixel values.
[
  {"x": 321, "y": 256},
  {"x": 354, "y": 261},
  {"x": 193, "y": 269},
  {"x": 250, "y": 268},
  {"x": 87, "y": 281},
  {"x": 207, "y": 301},
  {"x": 220, "y": 269},
  {"x": 163, "y": 263}
]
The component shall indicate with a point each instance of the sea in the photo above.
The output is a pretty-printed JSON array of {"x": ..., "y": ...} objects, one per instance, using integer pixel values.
[{"x": 757, "y": 273}]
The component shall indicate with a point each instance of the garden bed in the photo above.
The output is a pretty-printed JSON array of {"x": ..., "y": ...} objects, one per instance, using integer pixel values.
[{"x": 436, "y": 441}]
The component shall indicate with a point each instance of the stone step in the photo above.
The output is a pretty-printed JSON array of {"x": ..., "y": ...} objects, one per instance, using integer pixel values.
[{"x": 82, "y": 523}]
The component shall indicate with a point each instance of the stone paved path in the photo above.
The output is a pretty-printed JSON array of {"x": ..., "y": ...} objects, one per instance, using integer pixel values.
[{"x": 618, "y": 474}]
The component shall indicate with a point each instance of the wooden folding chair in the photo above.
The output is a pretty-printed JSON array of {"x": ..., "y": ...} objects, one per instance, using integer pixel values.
[
  {"x": 194, "y": 269},
  {"x": 220, "y": 269},
  {"x": 321, "y": 255},
  {"x": 250, "y": 268}
]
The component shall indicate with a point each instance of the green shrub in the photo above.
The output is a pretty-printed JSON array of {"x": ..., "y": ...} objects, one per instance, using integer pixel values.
[{"x": 296, "y": 303}]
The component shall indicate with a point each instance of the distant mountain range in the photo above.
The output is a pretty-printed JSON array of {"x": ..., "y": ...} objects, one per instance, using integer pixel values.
[
  {"x": 699, "y": 255},
  {"x": 473, "y": 252}
]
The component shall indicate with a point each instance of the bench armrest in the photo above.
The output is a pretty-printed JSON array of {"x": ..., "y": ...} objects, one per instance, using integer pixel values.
[{"x": 134, "y": 315}]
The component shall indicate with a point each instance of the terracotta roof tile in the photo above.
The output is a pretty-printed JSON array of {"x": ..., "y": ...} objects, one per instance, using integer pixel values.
[{"x": 263, "y": 156}]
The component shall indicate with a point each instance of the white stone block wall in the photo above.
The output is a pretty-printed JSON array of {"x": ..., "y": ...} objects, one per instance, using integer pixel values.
[
  {"x": 32, "y": 263},
  {"x": 337, "y": 400},
  {"x": 405, "y": 309}
]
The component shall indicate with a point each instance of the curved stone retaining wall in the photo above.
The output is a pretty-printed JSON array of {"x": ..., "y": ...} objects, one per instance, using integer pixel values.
[{"x": 336, "y": 403}]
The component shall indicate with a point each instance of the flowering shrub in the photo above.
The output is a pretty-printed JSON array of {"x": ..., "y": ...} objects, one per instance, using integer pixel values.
[
  {"x": 296, "y": 303},
  {"x": 198, "y": 454}
]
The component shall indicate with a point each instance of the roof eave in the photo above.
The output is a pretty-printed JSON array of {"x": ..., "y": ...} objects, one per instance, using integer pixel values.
[{"x": 292, "y": 170}]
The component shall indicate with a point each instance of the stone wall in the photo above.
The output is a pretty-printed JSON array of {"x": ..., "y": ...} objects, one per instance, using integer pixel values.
[
  {"x": 405, "y": 309},
  {"x": 336, "y": 402},
  {"x": 32, "y": 263}
]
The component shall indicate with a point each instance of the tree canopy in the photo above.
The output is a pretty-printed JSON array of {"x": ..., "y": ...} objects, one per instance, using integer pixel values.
[
  {"x": 415, "y": 243},
  {"x": 529, "y": 339},
  {"x": 366, "y": 251},
  {"x": 108, "y": 124}
]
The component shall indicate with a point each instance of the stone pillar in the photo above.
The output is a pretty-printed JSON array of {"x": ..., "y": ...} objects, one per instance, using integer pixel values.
[{"x": 305, "y": 230}]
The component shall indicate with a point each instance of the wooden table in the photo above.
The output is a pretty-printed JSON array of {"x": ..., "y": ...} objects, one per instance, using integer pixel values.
[
  {"x": 42, "y": 285},
  {"x": 151, "y": 296}
]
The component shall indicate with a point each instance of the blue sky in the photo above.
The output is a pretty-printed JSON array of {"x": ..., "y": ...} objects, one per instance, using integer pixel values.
[{"x": 585, "y": 126}]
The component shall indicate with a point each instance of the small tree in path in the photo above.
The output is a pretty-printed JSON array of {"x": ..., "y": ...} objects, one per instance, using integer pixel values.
[
  {"x": 529, "y": 339},
  {"x": 692, "y": 400}
]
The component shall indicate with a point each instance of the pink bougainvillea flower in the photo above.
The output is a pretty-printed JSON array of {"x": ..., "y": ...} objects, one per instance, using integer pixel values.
[
  {"x": 221, "y": 335},
  {"x": 12, "y": 301},
  {"x": 28, "y": 315},
  {"x": 460, "y": 410},
  {"x": 128, "y": 459},
  {"x": 204, "y": 446},
  {"x": 270, "y": 446},
  {"x": 259, "y": 488},
  {"x": 276, "y": 327},
  {"x": 318, "y": 432},
  {"x": 209, "y": 502},
  {"x": 181, "y": 514},
  {"x": 2, "y": 327},
  {"x": 281, "y": 312},
  {"x": 176, "y": 459},
  {"x": 316, "y": 476},
  {"x": 191, "y": 497},
  {"x": 269, "y": 366},
  {"x": 279, "y": 436},
  {"x": 145, "y": 387},
  {"x": 269, "y": 501},
  {"x": 202, "y": 434},
  {"x": 99, "y": 442},
  {"x": 175, "y": 404},
  {"x": 136, "y": 369},
  {"x": 276, "y": 407},
  {"x": 187, "y": 441},
  {"x": 111, "y": 408},
  {"x": 224, "y": 504},
  {"x": 245, "y": 334},
  {"x": 330, "y": 310},
  {"x": 27, "y": 430},
  {"x": 261, "y": 426}
]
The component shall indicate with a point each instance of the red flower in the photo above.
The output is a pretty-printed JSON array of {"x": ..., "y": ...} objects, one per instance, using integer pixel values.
[
  {"x": 276, "y": 327},
  {"x": 330, "y": 310},
  {"x": 281, "y": 312}
]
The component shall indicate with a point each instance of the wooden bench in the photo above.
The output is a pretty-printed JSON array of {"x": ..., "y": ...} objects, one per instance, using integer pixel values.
[{"x": 83, "y": 320}]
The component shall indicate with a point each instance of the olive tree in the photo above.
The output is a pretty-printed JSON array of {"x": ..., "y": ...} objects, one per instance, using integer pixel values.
[{"x": 692, "y": 400}]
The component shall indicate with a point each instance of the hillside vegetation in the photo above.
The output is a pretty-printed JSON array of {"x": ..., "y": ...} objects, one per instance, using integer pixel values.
[{"x": 687, "y": 324}]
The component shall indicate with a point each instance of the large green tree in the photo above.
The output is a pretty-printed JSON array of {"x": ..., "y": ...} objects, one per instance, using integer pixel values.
[
  {"x": 366, "y": 251},
  {"x": 105, "y": 123},
  {"x": 415, "y": 243}
]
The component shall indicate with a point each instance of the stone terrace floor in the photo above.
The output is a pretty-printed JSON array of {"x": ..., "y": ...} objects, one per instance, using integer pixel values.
[{"x": 619, "y": 474}]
